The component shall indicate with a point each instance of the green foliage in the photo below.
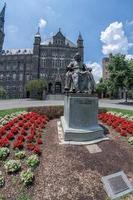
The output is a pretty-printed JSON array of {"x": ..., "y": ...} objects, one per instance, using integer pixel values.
[
  {"x": 2, "y": 180},
  {"x": 27, "y": 177},
  {"x": 10, "y": 111},
  {"x": 4, "y": 152},
  {"x": 2, "y": 198},
  {"x": 124, "y": 112},
  {"x": 2, "y": 92},
  {"x": 20, "y": 154},
  {"x": 121, "y": 73},
  {"x": 101, "y": 88},
  {"x": 33, "y": 161},
  {"x": 130, "y": 140},
  {"x": 23, "y": 197},
  {"x": 36, "y": 87},
  {"x": 12, "y": 166}
]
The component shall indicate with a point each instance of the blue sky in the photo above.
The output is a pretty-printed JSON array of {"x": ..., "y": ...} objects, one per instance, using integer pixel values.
[{"x": 90, "y": 17}]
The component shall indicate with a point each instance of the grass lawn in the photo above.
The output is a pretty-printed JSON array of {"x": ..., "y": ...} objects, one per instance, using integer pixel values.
[
  {"x": 129, "y": 112},
  {"x": 9, "y": 111}
]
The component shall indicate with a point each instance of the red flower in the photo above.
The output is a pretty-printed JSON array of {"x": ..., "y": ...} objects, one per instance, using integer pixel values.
[
  {"x": 10, "y": 135},
  {"x": 37, "y": 150},
  {"x": 14, "y": 130},
  {"x": 2, "y": 131},
  {"x": 20, "y": 138},
  {"x": 39, "y": 141},
  {"x": 30, "y": 146},
  {"x": 23, "y": 132},
  {"x": 4, "y": 142},
  {"x": 123, "y": 133},
  {"x": 20, "y": 124},
  {"x": 18, "y": 144}
]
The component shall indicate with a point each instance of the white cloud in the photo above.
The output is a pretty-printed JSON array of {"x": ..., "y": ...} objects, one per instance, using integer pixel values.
[
  {"x": 96, "y": 70},
  {"x": 129, "y": 56},
  {"x": 42, "y": 23},
  {"x": 114, "y": 39}
]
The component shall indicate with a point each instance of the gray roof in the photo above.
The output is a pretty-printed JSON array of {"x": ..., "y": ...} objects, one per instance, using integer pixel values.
[
  {"x": 17, "y": 51},
  {"x": 50, "y": 40}
]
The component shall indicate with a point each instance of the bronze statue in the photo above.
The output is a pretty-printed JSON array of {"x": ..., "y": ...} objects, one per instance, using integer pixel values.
[{"x": 78, "y": 78}]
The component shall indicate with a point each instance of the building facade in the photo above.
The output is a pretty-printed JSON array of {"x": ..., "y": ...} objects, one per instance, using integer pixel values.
[{"x": 46, "y": 60}]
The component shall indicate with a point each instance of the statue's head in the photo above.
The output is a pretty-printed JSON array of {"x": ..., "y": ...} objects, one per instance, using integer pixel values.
[{"x": 77, "y": 57}]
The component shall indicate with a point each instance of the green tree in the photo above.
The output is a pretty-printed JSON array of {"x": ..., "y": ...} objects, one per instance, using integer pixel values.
[
  {"x": 2, "y": 92},
  {"x": 36, "y": 88},
  {"x": 101, "y": 88},
  {"x": 120, "y": 74}
]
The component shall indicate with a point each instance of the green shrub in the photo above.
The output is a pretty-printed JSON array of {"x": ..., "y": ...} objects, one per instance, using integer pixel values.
[
  {"x": 36, "y": 88},
  {"x": 51, "y": 112},
  {"x": 2, "y": 180},
  {"x": 2, "y": 198},
  {"x": 27, "y": 177},
  {"x": 102, "y": 110},
  {"x": 20, "y": 154},
  {"x": 33, "y": 161},
  {"x": 12, "y": 166},
  {"x": 4, "y": 152},
  {"x": 130, "y": 140}
]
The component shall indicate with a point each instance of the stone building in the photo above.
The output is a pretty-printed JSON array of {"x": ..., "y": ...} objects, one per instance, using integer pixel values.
[{"x": 46, "y": 60}]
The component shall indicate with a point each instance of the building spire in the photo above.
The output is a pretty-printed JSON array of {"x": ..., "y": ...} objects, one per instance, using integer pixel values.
[
  {"x": 80, "y": 36},
  {"x": 38, "y": 32},
  {"x": 2, "y": 20},
  {"x": 2, "y": 14}
]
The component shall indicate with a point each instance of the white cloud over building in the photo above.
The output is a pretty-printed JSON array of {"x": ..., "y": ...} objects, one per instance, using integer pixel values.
[
  {"x": 42, "y": 23},
  {"x": 114, "y": 39},
  {"x": 96, "y": 70}
]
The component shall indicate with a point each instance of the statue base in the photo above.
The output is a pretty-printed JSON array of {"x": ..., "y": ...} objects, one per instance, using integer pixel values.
[{"x": 80, "y": 121}]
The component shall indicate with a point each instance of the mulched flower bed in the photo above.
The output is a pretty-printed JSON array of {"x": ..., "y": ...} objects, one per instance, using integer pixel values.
[
  {"x": 70, "y": 172},
  {"x": 24, "y": 131},
  {"x": 122, "y": 124},
  {"x": 21, "y": 139}
]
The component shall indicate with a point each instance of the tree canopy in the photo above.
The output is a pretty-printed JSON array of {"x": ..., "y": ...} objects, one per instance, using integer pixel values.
[
  {"x": 36, "y": 87},
  {"x": 121, "y": 73}
]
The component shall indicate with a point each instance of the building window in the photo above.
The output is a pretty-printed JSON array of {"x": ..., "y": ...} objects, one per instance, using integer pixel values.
[
  {"x": 28, "y": 77},
  {"x": 21, "y": 66},
  {"x": 1, "y": 76},
  {"x": 20, "y": 77},
  {"x": 8, "y": 67},
  {"x": 7, "y": 77},
  {"x": 14, "y": 76},
  {"x": 28, "y": 67},
  {"x": 14, "y": 66}
]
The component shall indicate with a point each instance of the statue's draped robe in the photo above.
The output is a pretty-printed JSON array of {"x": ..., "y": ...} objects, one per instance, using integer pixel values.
[{"x": 78, "y": 78}]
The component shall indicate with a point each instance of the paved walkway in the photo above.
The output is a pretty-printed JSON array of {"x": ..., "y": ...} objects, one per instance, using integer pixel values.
[{"x": 24, "y": 103}]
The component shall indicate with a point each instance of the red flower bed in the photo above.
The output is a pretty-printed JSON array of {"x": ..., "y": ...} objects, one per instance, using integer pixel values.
[
  {"x": 25, "y": 131},
  {"x": 121, "y": 125}
]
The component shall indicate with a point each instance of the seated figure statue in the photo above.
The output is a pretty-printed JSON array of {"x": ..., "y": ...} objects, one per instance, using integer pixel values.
[{"x": 78, "y": 77}]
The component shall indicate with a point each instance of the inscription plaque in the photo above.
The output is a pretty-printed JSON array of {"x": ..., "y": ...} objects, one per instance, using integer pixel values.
[{"x": 117, "y": 184}]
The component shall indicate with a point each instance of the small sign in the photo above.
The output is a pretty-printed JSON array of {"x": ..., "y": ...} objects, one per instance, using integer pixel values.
[{"x": 117, "y": 185}]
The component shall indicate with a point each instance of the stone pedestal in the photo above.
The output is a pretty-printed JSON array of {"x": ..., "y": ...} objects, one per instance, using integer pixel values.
[{"x": 80, "y": 118}]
